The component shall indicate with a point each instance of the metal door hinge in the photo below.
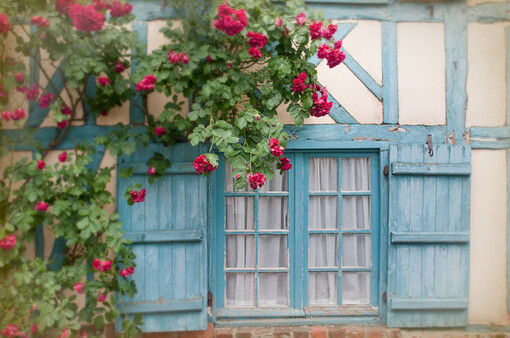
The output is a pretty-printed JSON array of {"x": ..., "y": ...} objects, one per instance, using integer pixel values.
[
  {"x": 386, "y": 170},
  {"x": 210, "y": 299},
  {"x": 384, "y": 297}
]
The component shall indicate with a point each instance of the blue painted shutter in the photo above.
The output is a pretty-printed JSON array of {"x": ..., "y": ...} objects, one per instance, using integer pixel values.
[
  {"x": 168, "y": 231},
  {"x": 428, "y": 265}
]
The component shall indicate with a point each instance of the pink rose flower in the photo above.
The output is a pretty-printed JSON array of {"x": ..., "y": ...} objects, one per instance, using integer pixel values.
[
  {"x": 19, "y": 77},
  {"x": 62, "y": 124},
  {"x": 40, "y": 164},
  {"x": 100, "y": 297},
  {"x": 285, "y": 164},
  {"x": 64, "y": 333},
  {"x": 315, "y": 30},
  {"x": 5, "y": 26},
  {"x": 103, "y": 81},
  {"x": 151, "y": 171},
  {"x": 230, "y": 21},
  {"x": 65, "y": 109},
  {"x": 41, "y": 206},
  {"x": 278, "y": 22},
  {"x": 34, "y": 329},
  {"x": 101, "y": 5},
  {"x": 45, "y": 100},
  {"x": 86, "y": 18},
  {"x": 39, "y": 21},
  {"x": 101, "y": 265},
  {"x": 62, "y": 6},
  {"x": 256, "y": 40},
  {"x": 137, "y": 196},
  {"x": 8, "y": 242},
  {"x": 62, "y": 157},
  {"x": 184, "y": 58},
  {"x": 127, "y": 272},
  {"x": 329, "y": 31},
  {"x": 147, "y": 83},
  {"x": 118, "y": 9},
  {"x": 256, "y": 179},
  {"x": 202, "y": 165},
  {"x": 119, "y": 67},
  {"x": 255, "y": 53},
  {"x": 78, "y": 287},
  {"x": 6, "y": 116},
  {"x": 299, "y": 84},
  {"x": 159, "y": 131},
  {"x": 276, "y": 148},
  {"x": 321, "y": 106},
  {"x": 338, "y": 44},
  {"x": 12, "y": 330},
  {"x": 333, "y": 55},
  {"x": 18, "y": 114},
  {"x": 301, "y": 19}
]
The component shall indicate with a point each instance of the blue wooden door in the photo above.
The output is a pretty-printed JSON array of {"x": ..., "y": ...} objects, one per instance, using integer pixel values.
[
  {"x": 428, "y": 264},
  {"x": 168, "y": 232}
]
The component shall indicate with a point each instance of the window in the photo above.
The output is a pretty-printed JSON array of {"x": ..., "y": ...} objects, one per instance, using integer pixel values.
[{"x": 305, "y": 242}]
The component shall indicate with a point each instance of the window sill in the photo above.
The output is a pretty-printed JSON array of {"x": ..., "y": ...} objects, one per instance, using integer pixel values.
[{"x": 322, "y": 311}]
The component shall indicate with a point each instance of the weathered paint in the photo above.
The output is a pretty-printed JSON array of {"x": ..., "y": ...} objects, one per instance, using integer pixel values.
[
  {"x": 428, "y": 274},
  {"x": 389, "y": 69}
]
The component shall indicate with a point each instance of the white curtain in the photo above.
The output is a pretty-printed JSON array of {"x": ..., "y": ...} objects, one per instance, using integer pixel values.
[
  {"x": 273, "y": 288},
  {"x": 322, "y": 214}
]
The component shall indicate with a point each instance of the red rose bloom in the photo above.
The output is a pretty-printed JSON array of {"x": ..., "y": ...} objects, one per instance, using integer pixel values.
[
  {"x": 151, "y": 171},
  {"x": 278, "y": 22},
  {"x": 86, "y": 18},
  {"x": 137, "y": 197},
  {"x": 276, "y": 148},
  {"x": 299, "y": 84},
  {"x": 321, "y": 106},
  {"x": 65, "y": 109},
  {"x": 5, "y": 26},
  {"x": 6, "y": 116},
  {"x": 230, "y": 21},
  {"x": 8, "y": 242},
  {"x": 101, "y": 265},
  {"x": 62, "y": 124},
  {"x": 256, "y": 40},
  {"x": 315, "y": 29},
  {"x": 285, "y": 164},
  {"x": 41, "y": 206},
  {"x": 40, "y": 21},
  {"x": 62, "y": 6},
  {"x": 147, "y": 83},
  {"x": 202, "y": 165},
  {"x": 62, "y": 157},
  {"x": 45, "y": 100},
  {"x": 100, "y": 298},
  {"x": 255, "y": 53},
  {"x": 119, "y": 67},
  {"x": 78, "y": 287},
  {"x": 19, "y": 77},
  {"x": 300, "y": 19},
  {"x": 41, "y": 165},
  {"x": 12, "y": 330},
  {"x": 18, "y": 114},
  {"x": 118, "y": 9},
  {"x": 329, "y": 31},
  {"x": 127, "y": 272},
  {"x": 103, "y": 81},
  {"x": 256, "y": 179},
  {"x": 159, "y": 131}
]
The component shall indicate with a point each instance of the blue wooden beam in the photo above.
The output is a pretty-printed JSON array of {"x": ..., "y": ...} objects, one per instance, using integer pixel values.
[
  {"x": 508, "y": 230},
  {"x": 338, "y": 112},
  {"x": 428, "y": 304},
  {"x": 363, "y": 75},
  {"x": 435, "y": 169},
  {"x": 389, "y": 72},
  {"x": 136, "y": 107},
  {"x": 456, "y": 70},
  {"x": 170, "y": 236},
  {"x": 38, "y": 114},
  {"x": 429, "y": 237},
  {"x": 177, "y": 305},
  {"x": 490, "y": 132}
]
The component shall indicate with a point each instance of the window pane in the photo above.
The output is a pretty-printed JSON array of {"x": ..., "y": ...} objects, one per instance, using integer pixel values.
[
  {"x": 323, "y": 212},
  {"x": 356, "y": 212},
  {"x": 240, "y": 251},
  {"x": 273, "y": 213},
  {"x": 322, "y": 288},
  {"x": 273, "y": 251},
  {"x": 240, "y": 214},
  {"x": 355, "y": 287},
  {"x": 273, "y": 289},
  {"x": 322, "y": 174},
  {"x": 229, "y": 180},
  {"x": 323, "y": 251},
  {"x": 277, "y": 184},
  {"x": 240, "y": 289},
  {"x": 356, "y": 174},
  {"x": 356, "y": 251}
]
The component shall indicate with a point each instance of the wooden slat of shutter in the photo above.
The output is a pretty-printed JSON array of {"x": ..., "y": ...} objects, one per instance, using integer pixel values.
[
  {"x": 428, "y": 263},
  {"x": 168, "y": 231}
]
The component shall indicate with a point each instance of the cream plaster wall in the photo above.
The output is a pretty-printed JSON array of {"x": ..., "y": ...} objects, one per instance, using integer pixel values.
[
  {"x": 487, "y": 291},
  {"x": 421, "y": 73},
  {"x": 486, "y": 82},
  {"x": 364, "y": 44}
]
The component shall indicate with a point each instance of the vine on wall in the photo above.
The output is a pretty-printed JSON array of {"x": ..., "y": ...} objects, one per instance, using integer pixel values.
[{"x": 237, "y": 62}]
